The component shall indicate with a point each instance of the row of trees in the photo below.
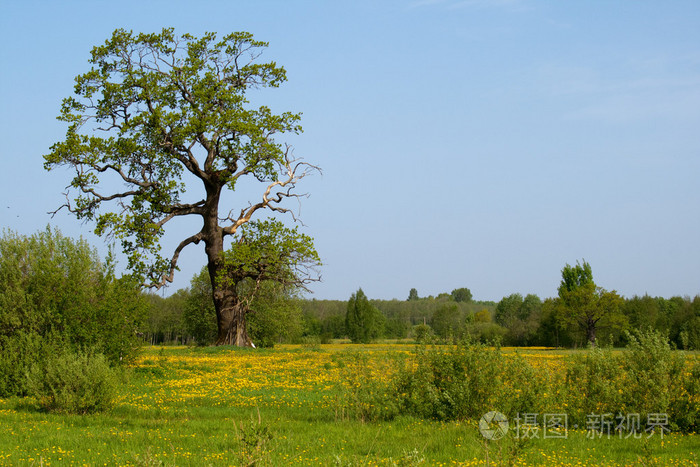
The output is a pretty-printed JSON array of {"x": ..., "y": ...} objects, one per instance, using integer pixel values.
[
  {"x": 582, "y": 313},
  {"x": 58, "y": 292}
]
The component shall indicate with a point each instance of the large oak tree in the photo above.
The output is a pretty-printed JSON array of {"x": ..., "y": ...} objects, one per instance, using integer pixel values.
[{"x": 156, "y": 111}]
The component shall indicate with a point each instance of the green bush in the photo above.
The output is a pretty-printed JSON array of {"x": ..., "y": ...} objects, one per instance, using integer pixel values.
[
  {"x": 468, "y": 380},
  {"x": 18, "y": 352},
  {"x": 653, "y": 369},
  {"x": 685, "y": 405},
  {"x": 70, "y": 382},
  {"x": 423, "y": 334},
  {"x": 648, "y": 377},
  {"x": 55, "y": 291},
  {"x": 367, "y": 388},
  {"x": 595, "y": 382}
]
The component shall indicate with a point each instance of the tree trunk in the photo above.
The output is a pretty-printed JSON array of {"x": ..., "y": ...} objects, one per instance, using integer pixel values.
[
  {"x": 230, "y": 312},
  {"x": 232, "y": 326},
  {"x": 590, "y": 332}
]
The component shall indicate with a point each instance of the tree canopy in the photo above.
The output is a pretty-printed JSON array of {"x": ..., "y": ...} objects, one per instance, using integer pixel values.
[
  {"x": 363, "y": 321},
  {"x": 586, "y": 306}
]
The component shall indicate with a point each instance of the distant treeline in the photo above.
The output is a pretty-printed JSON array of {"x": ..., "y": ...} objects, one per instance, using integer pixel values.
[
  {"x": 515, "y": 320},
  {"x": 327, "y": 317}
]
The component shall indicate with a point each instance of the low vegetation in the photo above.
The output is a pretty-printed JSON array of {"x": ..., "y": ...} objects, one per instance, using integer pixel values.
[{"x": 327, "y": 405}]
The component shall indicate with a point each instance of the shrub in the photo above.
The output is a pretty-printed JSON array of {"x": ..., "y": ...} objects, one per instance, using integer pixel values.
[
  {"x": 17, "y": 354},
  {"x": 70, "y": 382},
  {"x": 466, "y": 381},
  {"x": 684, "y": 410},
  {"x": 486, "y": 332},
  {"x": 423, "y": 334},
  {"x": 595, "y": 382},
  {"x": 652, "y": 368},
  {"x": 56, "y": 291},
  {"x": 648, "y": 377},
  {"x": 367, "y": 387}
]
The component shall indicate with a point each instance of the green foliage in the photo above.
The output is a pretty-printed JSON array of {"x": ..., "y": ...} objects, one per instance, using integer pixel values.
[
  {"x": 199, "y": 313},
  {"x": 587, "y": 307},
  {"x": 685, "y": 406},
  {"x": 574, "y": 277},
  {"x": 447, "y": 321},
  {"x": 684, "y": 328},
  {"x": 423, "y": 334},
  {"x": 254, "y": 440},
  {"x": 56, "y": 289},
  {"x": 274, "y": 316},
  {"x": 333, "y": 326},
  {"x": 594, "y": 381},
  {"x": 520, "y": 317},
  {"x": 643, "y": 312},
  {"x": 68, "y": 382},
  {"x": 400, "y": 315},
  {"x": 654, "y": 373},
  {"x": 18, "y": 352},
  {"x": 461, "y": 295},
  {"x": 363, "y": 322},
  {"x": 508, "y": 309},
  {"x": 648, "y": 377},
  {"x": 485, "y": 332},
  {"x": 367, "y": 387},
  {"x": 165, "y": 322},
  {"x": 552, "y": 329},
  {"x": 268, "y": 251},
  {"x": 482, "y": 316},
  {"x": 412, "y": 295},
  {"x": 153, "y": 101},
  {"x": 467, "y": 380}
]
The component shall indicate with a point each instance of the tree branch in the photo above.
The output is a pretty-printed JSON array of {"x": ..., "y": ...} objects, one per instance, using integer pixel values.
[{"x": 196, "y": 238}]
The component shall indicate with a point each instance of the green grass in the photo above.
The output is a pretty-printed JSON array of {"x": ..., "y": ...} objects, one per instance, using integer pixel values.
[{"x": 213, "y": 406}]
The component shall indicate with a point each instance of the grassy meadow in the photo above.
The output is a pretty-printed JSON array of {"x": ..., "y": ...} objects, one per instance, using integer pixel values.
[{"x": 287, "y": 405}]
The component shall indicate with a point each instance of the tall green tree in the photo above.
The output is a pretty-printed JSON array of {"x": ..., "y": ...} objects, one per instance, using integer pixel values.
[
  {"x": 167, "y": 117},
  {"x": 508, "y": 309},
  {"x": 447, "y": 321},
  {"x": 586, "y": 306},
  {"x": 462, "y": 294},
  {"x": 521, "y": 317},
  {"x": 363, "y": 322}
]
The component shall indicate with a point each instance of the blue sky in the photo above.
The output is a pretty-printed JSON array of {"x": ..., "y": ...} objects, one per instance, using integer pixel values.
[{"x": 478, "y": 143}]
